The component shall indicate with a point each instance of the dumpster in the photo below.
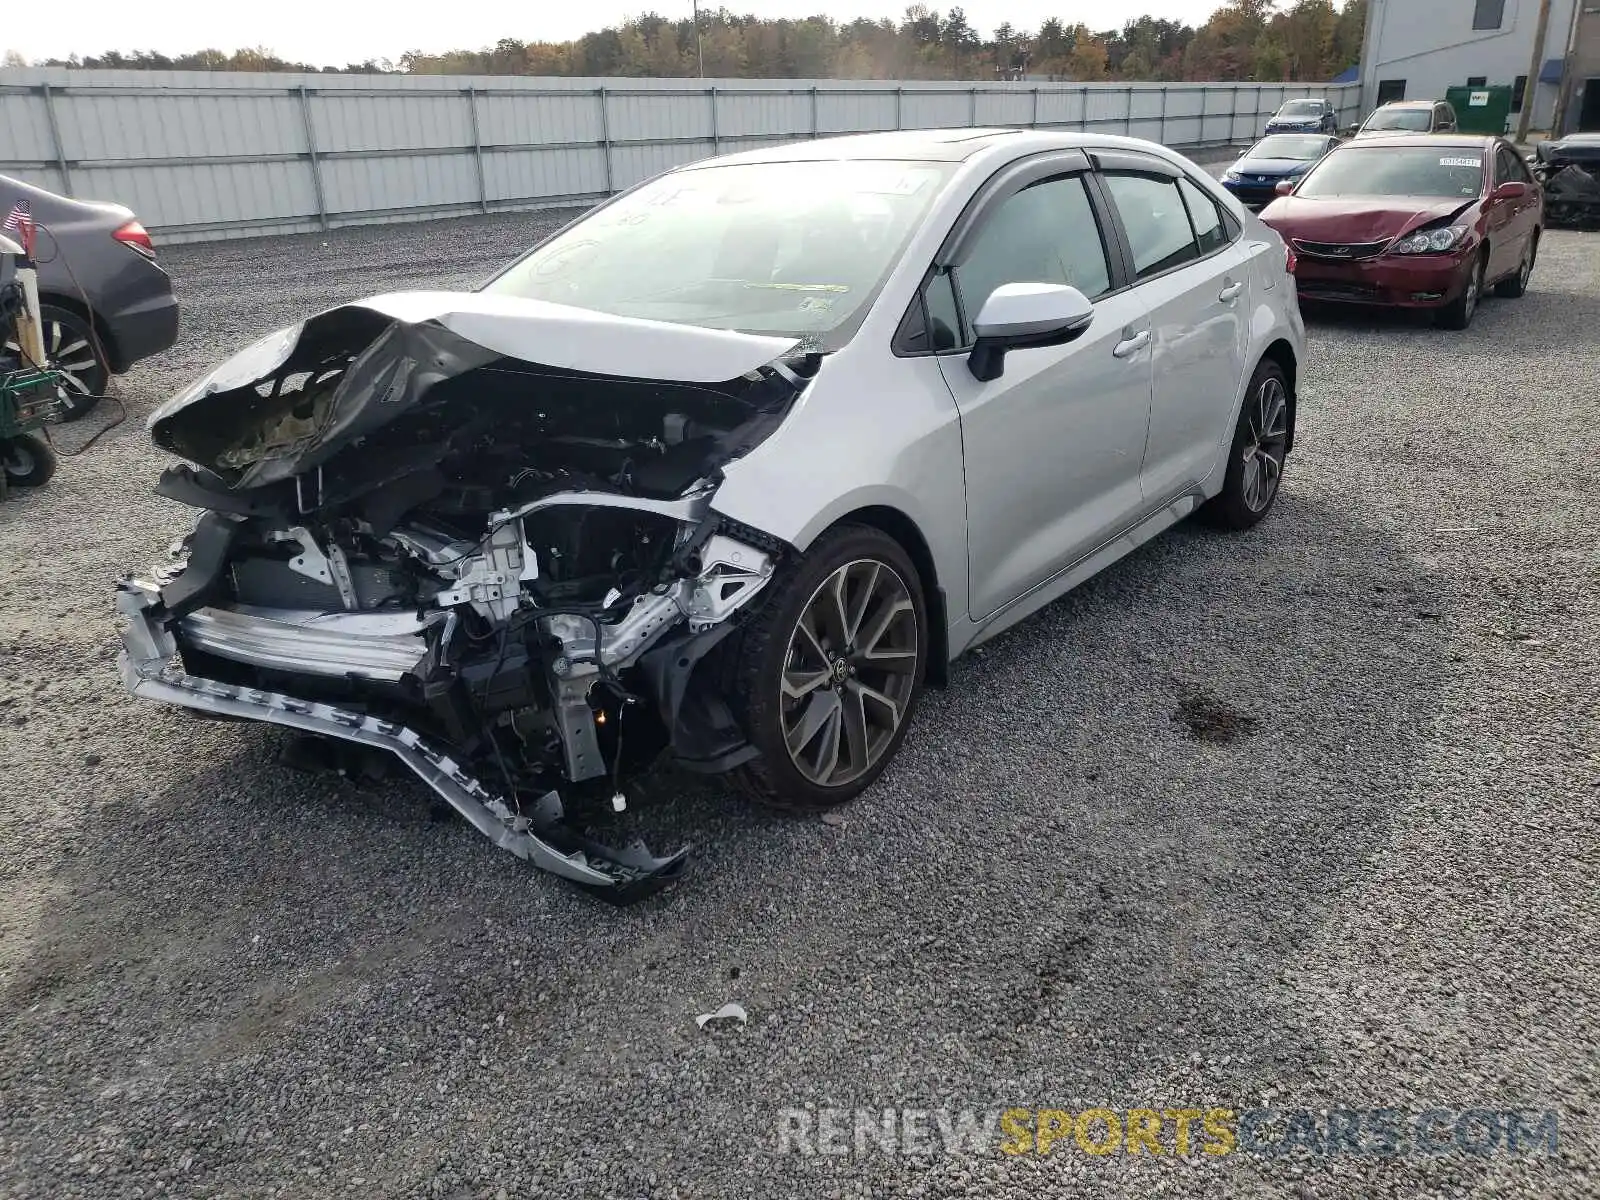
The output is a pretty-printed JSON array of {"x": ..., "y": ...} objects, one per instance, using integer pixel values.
[{"x": 1481, "y": 109}]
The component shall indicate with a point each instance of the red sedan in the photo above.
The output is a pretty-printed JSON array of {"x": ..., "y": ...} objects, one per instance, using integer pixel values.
[{"x": 1428, "y": 221}]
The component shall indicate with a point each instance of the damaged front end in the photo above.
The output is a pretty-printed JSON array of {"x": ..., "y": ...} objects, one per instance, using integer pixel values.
[{"x": 434, "y": 533}]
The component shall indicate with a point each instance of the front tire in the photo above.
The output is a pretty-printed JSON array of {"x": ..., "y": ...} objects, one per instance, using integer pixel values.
[
  {"x": 828, "y": 672},
  {"x": 1459, "y": 312},
  {"x": 1257, "y": 454}
]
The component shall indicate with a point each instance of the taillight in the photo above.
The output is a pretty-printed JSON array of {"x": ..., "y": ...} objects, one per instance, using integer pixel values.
[
  {"x": 1290, "y": 262},
  {"x": 136, "y": 237}
]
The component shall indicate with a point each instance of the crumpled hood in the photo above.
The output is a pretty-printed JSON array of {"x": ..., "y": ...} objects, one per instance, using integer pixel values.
[
  {"x": 1357, "y": 218},
  {"x": 287, "y": 402}
]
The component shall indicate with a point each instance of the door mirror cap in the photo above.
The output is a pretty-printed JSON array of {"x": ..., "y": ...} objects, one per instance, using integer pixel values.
[
  {"x": 1018, "y": 316},
  {"x": 1285, "y": 187},
  {"x": 1513, "y": 189}
]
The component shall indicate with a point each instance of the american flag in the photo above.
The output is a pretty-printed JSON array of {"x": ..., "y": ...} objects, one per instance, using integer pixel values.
[{"x": 20, "y": 219}]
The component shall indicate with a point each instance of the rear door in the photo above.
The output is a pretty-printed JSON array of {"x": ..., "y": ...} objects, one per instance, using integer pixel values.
[
  {"x": 1052, "y": 448},
  {"x": 1193, "y": 274}
]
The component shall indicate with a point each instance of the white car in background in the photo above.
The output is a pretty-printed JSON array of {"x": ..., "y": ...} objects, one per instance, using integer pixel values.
[{"x": 726, "y": 469}]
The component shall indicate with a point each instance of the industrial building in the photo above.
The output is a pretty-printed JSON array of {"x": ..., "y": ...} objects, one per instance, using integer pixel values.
[{"x": 1416, "y": 49}]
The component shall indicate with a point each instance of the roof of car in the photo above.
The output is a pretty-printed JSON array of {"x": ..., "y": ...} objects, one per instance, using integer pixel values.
[
  {"x": 932, "y": 145},
  {"x": 926, "y": 145},
  {"x": 1464, "y": 141},
  {"x": 1409, "y": 104}
]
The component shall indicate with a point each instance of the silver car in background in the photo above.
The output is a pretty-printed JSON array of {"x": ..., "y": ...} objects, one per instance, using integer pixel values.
[{"x": 725, "y": 471}]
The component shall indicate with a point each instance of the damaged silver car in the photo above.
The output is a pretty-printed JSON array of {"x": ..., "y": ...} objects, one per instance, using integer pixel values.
[{"x": 723, "y": 472}]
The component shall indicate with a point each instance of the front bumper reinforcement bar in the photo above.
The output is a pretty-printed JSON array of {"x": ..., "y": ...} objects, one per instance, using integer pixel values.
[{"x": 618, "y": 876}]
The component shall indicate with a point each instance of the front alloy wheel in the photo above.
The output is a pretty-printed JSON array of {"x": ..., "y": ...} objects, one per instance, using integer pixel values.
[
  {"x": 848, "y": 675},
  {"x": 826, "y": 673},
  {"x": 1459, "y": 314}
]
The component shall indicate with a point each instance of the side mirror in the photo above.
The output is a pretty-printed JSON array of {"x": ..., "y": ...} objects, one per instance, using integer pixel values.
[
  {"x": 1285, "y": 187},
  {"x": 1514, "y": 190},
  {"x": 1019, "y": 316}
]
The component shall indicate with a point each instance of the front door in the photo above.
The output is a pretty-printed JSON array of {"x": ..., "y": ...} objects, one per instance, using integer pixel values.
[{"x": 1052, "y": 447}]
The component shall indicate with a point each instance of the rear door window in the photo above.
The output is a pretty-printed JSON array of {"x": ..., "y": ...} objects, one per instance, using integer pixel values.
[{"x": 1156, "y": 220}]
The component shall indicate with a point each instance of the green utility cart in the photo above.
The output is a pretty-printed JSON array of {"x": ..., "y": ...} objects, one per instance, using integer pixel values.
[
  {"x": 29, "y": 399},
  {"x": 1481, "y": 109}
]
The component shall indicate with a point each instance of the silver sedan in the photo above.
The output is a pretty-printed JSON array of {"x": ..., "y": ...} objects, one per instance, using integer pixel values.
[{"x": 727, "y": 470}]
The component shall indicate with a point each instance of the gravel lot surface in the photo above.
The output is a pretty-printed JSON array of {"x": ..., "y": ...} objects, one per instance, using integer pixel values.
[{"x": 1372, "y": 883}]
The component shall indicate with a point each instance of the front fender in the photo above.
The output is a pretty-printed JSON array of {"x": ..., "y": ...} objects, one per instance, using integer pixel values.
[{"x": 872, "y": 431}]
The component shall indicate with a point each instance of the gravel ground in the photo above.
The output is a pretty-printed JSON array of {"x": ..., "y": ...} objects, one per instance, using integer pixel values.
[{"x": 1370, "y": 882}]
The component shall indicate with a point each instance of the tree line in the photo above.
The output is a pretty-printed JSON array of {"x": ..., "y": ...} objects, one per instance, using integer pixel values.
[{"x": 1261, "y": 40}]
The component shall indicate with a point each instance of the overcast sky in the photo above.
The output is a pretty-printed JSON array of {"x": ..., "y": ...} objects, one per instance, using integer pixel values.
[{"x": 340, "y": 31}]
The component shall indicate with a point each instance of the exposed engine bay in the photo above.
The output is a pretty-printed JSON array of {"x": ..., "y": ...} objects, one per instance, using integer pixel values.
[{"x": 426, "y": 538}]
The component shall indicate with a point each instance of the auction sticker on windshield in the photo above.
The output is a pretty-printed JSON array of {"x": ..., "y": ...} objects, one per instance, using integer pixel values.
[{"x": 1461, "y": 162}]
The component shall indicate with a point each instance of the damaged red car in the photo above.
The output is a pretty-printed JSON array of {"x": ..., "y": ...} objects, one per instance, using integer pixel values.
[{"x": 1413, "y": 222}]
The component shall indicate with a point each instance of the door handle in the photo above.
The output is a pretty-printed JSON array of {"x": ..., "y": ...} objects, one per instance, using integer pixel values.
[
  {"x": 1128, "y": 347},
  {"x": 1230, "y": 292}
]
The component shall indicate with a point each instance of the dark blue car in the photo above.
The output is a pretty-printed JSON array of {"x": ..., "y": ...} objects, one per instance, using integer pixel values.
[
  {"x": 1255, "y": 177},
  {"x": 1304, "y": 116}
]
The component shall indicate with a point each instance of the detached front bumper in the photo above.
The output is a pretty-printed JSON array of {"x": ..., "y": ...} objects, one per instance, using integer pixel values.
[
  {"x": 148, "y": 671},
  {"x": 1420, "y": 281}
]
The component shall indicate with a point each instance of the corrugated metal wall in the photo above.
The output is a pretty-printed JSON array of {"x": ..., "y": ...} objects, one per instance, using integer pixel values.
[{"x": 226, "y": 154}]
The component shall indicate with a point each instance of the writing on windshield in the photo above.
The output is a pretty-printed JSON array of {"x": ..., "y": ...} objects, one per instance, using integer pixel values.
[{"x": 1397, "y": 171}]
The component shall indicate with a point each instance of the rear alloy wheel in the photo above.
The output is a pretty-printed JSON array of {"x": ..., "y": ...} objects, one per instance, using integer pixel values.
[
  {"x": 1459, "y": 313},
  {"x": 28, "y": 461},
  {"x": 1257, "y": 456},
  {"x": 1516, "y": 286},
  {"x": 828, "y": 673},
  {"x": 71, "y": 349}
]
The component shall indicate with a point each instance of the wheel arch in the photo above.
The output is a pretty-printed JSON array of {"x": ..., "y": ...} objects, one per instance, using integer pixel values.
[
  {"x": 904, "y": 530},
  {"x": 1282, "y": 353}
]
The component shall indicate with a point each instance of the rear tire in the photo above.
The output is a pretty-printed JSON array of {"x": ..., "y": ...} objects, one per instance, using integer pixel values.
[
  {"x": 1514, "y": 287},
  {"x": 1459, "y": 312},
  {"x": 28, "y": 461},
  {"x": 1257, "y": 454},
  {"x": 827, "y": 673},
  {"x": 75, "y": 350}
]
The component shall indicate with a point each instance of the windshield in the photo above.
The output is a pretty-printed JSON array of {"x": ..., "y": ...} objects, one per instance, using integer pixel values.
[
  {"x": 1397, "y": 171},
  {"x": 1301, "y": 108},
  {"x": 1287, "y": 145},
  {"x": 1416, "y": 120},
  {"x": 789, "y": 248}
]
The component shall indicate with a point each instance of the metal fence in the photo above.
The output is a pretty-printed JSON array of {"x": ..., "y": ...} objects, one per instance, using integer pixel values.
[{"x": 202, "y": 155}]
